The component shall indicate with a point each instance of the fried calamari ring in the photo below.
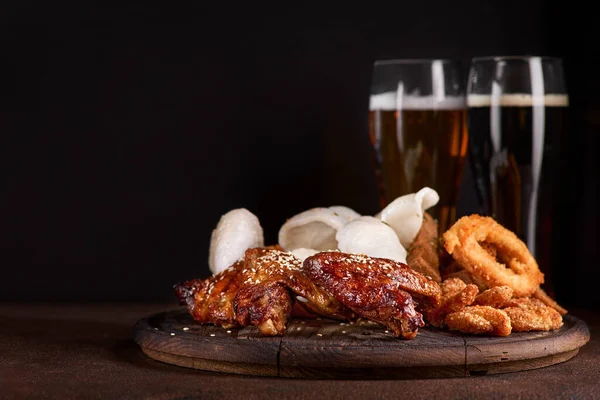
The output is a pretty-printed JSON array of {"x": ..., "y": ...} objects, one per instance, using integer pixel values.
[{"x": 469, "y": 241}]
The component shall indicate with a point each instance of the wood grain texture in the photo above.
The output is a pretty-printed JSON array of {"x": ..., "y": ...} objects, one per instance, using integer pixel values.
[
  {"x": 327, "y": 349},
  {"x": 175, "y": 333}
]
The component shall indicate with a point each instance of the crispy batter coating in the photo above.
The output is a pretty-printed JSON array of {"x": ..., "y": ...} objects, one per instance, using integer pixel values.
[
  {"x": 479, "y": 320},
  {"x": 449, "y": 268},
  {"x": 456, "y": 295},
  {"x": 541, "y": 295},
  {"x": 452, "y": 286},
  {"x": 513, "y": 265},
  {"x": 495, "y": 297},
  {"x": 530, "y": 314},
  {"x": 380, "y": 290},
  {"x": 423, "y": 253},
  {"x": 467, "y": 277}
]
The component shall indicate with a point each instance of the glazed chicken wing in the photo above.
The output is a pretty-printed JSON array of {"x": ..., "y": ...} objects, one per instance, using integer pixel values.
[
  {"x": 377, "y": 289},
  {"x": 257, "y": 291},
  {"x": 211, "y": 300}
]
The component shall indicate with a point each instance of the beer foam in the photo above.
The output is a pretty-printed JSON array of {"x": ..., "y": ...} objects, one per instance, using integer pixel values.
[
  {"x": 388, "y": 102},
  {"x": 518, "y": 100}
]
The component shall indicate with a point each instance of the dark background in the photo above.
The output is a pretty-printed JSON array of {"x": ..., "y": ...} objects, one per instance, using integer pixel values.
[{"x": 130, "y": 130}]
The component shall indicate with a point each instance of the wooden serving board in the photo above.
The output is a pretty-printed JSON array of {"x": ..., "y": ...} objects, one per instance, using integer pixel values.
[{"x": 327, "y": 349}]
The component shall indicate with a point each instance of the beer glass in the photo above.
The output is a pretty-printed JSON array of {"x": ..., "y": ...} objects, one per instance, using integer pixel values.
[
  {"x": 517, "y": 110},
  {"x": 418, "y": 130}
]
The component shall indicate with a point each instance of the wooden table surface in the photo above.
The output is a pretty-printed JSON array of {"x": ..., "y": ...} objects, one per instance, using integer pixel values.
[{"x": 83, "y": 351}]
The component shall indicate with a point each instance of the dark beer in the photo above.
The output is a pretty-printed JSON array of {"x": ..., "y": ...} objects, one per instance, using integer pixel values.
[
  {"x": 514, "y": 145},
  {"x": 421, "y": 144}
]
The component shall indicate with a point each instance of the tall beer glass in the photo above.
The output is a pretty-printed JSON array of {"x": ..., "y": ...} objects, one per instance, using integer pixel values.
[
  {"x": 517, "y": 118},
  {"x": 418, "y": 130}
]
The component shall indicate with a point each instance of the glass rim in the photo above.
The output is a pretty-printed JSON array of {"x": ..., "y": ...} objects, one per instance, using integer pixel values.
[
  {"x": 413, "y": 61},
  {"x": 515, "y": 58}
]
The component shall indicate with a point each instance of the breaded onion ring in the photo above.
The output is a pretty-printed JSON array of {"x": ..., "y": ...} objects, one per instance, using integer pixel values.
[{"x": 468, "y": 242}]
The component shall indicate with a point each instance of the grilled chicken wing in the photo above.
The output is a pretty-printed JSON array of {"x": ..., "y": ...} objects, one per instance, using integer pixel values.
[
  {"x": 377, "y": 289},
  {"x": 257, "y": 291}
]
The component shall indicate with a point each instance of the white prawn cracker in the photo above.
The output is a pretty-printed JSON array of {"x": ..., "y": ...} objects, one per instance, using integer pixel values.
[
  {"x": 405, "y": 213},
  {"x": 313, "y": 229},
  {"x": 237, "y": 231},
  {"x": 372, "y": 237},
  {"x": 345, "y": 212}
]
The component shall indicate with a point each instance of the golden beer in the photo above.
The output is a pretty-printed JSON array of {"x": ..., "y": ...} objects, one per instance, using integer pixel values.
[
  {"x": 419, "y": 142},
  {"x": 517, "y": 111},
  {"x": 515, "y": 153}
]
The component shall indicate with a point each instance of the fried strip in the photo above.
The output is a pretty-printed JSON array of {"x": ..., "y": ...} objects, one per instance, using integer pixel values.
[
  {"x": 423, "y": 254},
  {"x": 456, "y": 295},
  {"x": 479, "y": 320},
  {"x": 541, "y": 295},
  {"x": 529, "y": 314},
  {"x": 467, "y": 277},
  {"x": 495, "y": 297},
  {"x": 452, "y": 286}
]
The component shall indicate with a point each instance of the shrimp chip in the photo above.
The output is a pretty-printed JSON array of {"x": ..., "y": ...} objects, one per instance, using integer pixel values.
[
  {"x": 237, "y": 231},
  {"x": 405, "y": 213},
  {"x": 312, "y": 229},
  {"x": 370, "y": 236}
]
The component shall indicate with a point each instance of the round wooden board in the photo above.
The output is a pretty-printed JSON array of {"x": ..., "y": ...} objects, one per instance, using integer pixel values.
[{"x": 327, "y": 349}]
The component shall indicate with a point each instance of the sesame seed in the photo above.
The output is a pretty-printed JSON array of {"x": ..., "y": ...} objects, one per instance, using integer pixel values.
[
  {"x": 343, "y": 331},
  {"x": 212, "y": 334},
  {"x": 319, "y": 334},
  {"x": 186, "y": 328},
  {"x": 228, "y": 331},
  {"x": 172, "y": 334}
]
